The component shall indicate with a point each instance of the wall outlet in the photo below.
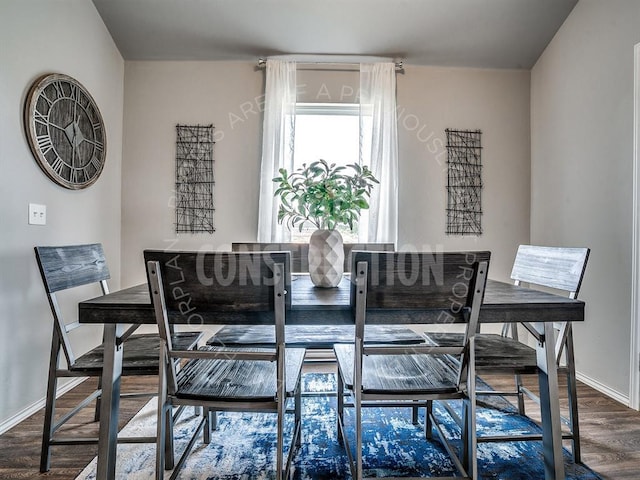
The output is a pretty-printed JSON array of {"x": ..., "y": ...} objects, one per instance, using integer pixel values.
[{"x": 37, "y": 214}]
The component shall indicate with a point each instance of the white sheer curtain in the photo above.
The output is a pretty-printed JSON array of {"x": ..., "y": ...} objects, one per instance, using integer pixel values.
[
  {"x": 277, "y": 144},
  {"x": 379, "y": 150}
]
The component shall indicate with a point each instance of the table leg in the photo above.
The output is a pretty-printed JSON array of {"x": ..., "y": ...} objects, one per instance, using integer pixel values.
[
  {"x": 550, "y": 407},
  {"x": 110, "y": 403}
]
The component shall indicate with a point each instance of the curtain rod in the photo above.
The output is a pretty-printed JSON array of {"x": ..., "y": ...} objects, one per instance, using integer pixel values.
[{"x": 347, "y": 66}]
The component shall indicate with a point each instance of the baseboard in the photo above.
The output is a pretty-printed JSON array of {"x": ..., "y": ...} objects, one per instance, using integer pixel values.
[
  {"x": 602, "y": 388},
  {"x": 34, "y": 407}
]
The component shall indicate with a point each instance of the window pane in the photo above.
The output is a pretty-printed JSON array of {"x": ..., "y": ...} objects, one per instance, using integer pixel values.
[{"x": 333, "y": 137}]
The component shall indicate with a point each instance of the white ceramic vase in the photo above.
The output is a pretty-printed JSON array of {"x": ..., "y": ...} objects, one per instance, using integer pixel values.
[{"x": 326, "y": 258}]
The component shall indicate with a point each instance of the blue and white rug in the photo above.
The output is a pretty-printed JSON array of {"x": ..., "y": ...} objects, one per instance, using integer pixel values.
[{"x": 243, "y": 446}]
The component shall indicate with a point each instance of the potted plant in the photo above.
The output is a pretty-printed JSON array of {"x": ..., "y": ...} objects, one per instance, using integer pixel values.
[{"x": 327, "y": 196}]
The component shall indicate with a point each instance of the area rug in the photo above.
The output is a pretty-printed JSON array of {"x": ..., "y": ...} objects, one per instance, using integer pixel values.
[{"x": 243, "y": 446}]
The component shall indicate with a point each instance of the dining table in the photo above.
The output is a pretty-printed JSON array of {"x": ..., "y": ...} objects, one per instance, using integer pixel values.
[{"x": 310, "y": 305}]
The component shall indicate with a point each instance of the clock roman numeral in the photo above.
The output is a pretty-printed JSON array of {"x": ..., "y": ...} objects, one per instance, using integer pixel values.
[
  {"x": 57, "y": 165},
  {"x": 44, "y": 143},
  {"x": 41, "y": 118},
  {"x": 83, "y": 100},
  {"x": 95, "y": 163},
  {"x": 74, "y": 92},
  {"x": 89, "y": 169},
  {"x": 99, "y": 146},
  {"x": 59, "y": 89},
  {"x": 76, "y": 174},
  {"x": 46, "y": 98}
]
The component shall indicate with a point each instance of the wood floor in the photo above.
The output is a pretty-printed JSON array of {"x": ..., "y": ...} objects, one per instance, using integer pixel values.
[{"x": 610, "y": 435}]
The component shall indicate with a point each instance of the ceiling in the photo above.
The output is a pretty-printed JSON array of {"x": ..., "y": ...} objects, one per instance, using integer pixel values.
[{"x": 470, "y": 33}]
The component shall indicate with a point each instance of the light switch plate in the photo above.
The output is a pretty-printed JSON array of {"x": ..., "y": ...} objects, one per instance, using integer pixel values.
[{"x": 37, "y": 214}]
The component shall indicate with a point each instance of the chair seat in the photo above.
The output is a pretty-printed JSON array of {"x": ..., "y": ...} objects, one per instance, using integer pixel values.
[
  {"x": 237, "y": 380},
  {"x": 494, "y": 353},
  {"x": 140, "y": 354},
  {"x": 398, "y": 374}
]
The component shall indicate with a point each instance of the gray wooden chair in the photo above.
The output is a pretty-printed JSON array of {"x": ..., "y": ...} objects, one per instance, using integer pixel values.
[
  {"x": 557, "y": 268},
  {"x": 237, "y": 288},
  {"x": 412, "y": 288},
  {"x": 66, "y": 267}
]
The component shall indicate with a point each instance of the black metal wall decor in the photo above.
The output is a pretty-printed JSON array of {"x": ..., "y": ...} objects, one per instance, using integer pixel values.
[
  {"x": 464, "y": 182},
  {"x": 194, "y": 179}
]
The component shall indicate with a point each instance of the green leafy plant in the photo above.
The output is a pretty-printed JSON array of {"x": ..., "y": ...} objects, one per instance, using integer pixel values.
[{"x": 325, "y": 195}]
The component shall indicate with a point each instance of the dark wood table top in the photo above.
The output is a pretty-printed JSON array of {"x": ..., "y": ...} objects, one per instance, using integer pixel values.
[{"x": 503, "y": 302}]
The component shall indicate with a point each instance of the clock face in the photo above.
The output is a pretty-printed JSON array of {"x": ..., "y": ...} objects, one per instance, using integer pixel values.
[{"x": 65, "y": 131}]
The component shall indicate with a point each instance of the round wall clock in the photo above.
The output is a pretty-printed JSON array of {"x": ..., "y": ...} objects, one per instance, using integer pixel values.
[{"x": 65, "y": 131}]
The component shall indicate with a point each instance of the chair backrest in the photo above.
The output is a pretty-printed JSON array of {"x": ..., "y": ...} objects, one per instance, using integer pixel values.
[
  {"x": 300, "y": 251},
  {"x": 71, "y": 266},
  {"x": 66, "y": 267},
  {"x": 410, "y": 287},
  {"x": 417, "y": 280},
  {"x": 561, "y": 268},
  {"x": 201, "y": 286},
  {"x": 219, "y": 287}
]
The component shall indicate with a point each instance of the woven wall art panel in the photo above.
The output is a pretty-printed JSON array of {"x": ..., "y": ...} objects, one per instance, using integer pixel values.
[
  {"x": 194, "y": 179},
  {"x": 464, "y": 182}
]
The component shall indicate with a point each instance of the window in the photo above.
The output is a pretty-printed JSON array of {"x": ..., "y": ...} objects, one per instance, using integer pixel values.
[
  {"x": 376, "y": 138},
  {"x": 330, "y": 131}
]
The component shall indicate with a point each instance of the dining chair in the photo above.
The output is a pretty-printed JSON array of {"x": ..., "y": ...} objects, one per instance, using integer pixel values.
[
  {"x": 409, "y": 287},
  {"x": 240, "y": 288},
  {"x": 558, "y": 268},
  {"x": 67, "y": 267}
]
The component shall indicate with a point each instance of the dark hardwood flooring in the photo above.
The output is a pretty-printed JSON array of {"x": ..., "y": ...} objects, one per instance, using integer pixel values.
[
  {"x": 20, "y": 446},
  {"x": 609, "y": 431},
  {"x": 610, "y": 434}
]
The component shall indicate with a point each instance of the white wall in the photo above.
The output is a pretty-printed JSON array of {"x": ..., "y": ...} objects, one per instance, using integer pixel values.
[
  {"x": 38, "y": 37},
  {"x": 494, "y": 101},
  {"x": 159, "y": 95},
  {"x": 581, "y": 171}
]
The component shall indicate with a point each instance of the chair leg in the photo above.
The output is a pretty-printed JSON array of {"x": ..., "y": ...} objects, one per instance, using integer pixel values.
[
  {"x": 573, "y": 396},
  {"x": 340, "y": 407},
  {"x": 47, "y": 431},
  {"x": 49, "y": 412},
  {"x": 169, "y": 458},
  {"x": 358, "y": 426},
  {"x": 470, "y": 446},
  {"x": 213, "y": 420},
  {"x": 298, "y": 414},
  {"x": 164, "y": 449},
  {"x": 280, "y": 471},
  {"x": 518, "y": 378},
  {"x": 206, "y": 435},
  {"x": 521, "y": 408},
  {"x": 96, "y": 415},
  {"x": 161, "y": 438},
  {"x": 428, "y": 424},
  {"x": 464, "y": 433}
]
